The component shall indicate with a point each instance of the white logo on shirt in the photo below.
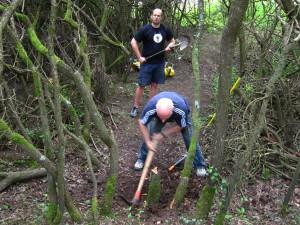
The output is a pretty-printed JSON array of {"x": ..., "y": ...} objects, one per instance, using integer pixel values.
[{"x": 157, "y": 38}]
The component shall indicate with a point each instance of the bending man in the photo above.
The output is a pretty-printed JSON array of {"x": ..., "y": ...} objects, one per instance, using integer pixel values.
[{"x": 163, "y": 108}]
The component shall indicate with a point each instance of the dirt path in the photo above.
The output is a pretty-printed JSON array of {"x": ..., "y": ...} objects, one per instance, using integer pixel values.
[{"x": 129, "y": 138}]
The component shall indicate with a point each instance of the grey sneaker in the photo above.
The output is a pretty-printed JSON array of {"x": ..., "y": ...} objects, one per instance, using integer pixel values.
[
  {"x": 139, "y": 164},
  {"x": 134, "y": 112},
  {"x": 201, "y": 172}
]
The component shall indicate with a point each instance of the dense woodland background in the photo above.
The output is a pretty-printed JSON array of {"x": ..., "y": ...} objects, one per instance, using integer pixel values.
[{"x": 62, "y": 61}]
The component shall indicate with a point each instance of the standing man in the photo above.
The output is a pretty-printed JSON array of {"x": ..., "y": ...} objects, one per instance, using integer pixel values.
[
  {"x": 160, "y": 109},
  {"x": 154, "y": 37}
]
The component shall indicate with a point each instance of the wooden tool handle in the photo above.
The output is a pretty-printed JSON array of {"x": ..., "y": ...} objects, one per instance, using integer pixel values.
[{"x": 147, "y": 165}]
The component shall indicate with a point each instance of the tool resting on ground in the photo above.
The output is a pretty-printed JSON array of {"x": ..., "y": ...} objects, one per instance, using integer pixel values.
[{"x": 137, "y": 195}]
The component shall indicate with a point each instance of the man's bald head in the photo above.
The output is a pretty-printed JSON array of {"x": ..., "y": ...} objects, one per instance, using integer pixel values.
[{"x": 164, "y": 108}]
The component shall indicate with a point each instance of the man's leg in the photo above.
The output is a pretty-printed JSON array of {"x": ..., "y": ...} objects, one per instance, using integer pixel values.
[
  {"x": 138, "y": 96},
  {"x": 143, "y": 80},
  {"x": 154, "y": 126},
  {"x": 153, "y": 89},
  {"x": 137, "y": 101}
]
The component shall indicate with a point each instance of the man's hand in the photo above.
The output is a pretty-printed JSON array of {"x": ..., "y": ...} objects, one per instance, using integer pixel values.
[
  {"x": 142, "y": 59},
  {"x": 169, "y": 47},
  {"x": 152, "y": 145}
]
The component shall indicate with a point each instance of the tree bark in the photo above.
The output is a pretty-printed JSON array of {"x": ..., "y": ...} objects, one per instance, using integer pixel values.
[
  {"x": 196, "y": 120},
  {"x": 229, "y": 36},
  {"x": 14, "y": 177}
]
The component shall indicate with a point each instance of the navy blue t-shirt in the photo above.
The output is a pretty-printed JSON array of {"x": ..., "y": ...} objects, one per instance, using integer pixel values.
[
  {"x": 180, "y": 112},
  {"x": 153, "y": 40}
]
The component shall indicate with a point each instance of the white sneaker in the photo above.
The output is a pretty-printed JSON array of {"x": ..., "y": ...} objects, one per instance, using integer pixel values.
[
  {"x": 201, "y": 172},
  {"x": 139, "y": 164}
]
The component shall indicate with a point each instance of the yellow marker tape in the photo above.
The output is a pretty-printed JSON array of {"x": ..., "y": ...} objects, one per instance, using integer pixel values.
[
  {"x": 234, "y": 86},
  {"x": 211, "y": 120}
]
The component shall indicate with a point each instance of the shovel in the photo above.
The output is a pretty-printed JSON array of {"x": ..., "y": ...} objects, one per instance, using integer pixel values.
[
  {"x": 137, "y": 194},
  {"x": 182, "y": 42}
]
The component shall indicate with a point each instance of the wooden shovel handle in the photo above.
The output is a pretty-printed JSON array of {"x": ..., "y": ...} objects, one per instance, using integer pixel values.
[{"x": 147, "y": 165}]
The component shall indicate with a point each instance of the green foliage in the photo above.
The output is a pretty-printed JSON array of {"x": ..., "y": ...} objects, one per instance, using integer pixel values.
[
  {"x": 214, "y": 19},
  {"x": 135, "y": 215},
  {"x": 190, "y": 221},
  {"x": 35, "y": 133},
  {"x": 262, "y": 14},
  {"x": 248, "y": 89}
]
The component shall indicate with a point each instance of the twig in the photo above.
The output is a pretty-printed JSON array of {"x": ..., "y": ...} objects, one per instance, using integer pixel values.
[{"x": 112, "y": 119}]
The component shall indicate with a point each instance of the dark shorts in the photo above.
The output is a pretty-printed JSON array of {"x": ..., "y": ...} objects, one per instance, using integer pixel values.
[{"x": 151, "y": 73}]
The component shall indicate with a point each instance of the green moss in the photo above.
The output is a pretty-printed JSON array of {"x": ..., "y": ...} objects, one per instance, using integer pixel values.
[
  {"x": 20, "y": 140},
  {"x": 51, "y": 212},
  {"x": 95, "y": 210},
  {"x": 109, "y": 193},
  {"x": 4, "y": 128},
  {"x": 75, "y": 215},
  {"x": 154, "y": 190},
  {"x": 205, "y": 202},
  {"x": 23, "y": 54},
  {"x": 220, "y": 219},
  {"x": 57, "y": 60},
  {"x": 57, "y": 220},
  {"x": 181, "y": 190},
  {"x": 284, "y": 209},
  {"x": 37, "y": 83},
  {"x": 35, "y": 41},
  {"x": 68, "y": 15}
]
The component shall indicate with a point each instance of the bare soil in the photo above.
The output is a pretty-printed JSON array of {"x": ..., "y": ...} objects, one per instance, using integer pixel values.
[{"x": 24, "y": 203}]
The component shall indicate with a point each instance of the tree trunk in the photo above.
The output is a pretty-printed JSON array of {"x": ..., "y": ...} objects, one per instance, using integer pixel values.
[
  {"x": 58, "y": 118},
  {"x": 229, "y": 36},
  {"x": 188, "y": 165}
]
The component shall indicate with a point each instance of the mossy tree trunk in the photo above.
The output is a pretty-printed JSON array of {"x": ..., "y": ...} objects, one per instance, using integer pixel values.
[
  {"x": 196, "y": 120},
  {"x": 229, "y": 36},
  {"x": 58, "y": 117}
]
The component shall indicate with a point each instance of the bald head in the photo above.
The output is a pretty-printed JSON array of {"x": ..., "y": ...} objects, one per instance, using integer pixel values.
[
  {"x": 164, "y": 108},
  {"x": 156, "y": 17}
]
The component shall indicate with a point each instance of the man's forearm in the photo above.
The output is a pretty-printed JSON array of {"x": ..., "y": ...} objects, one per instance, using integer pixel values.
[
  {"x": 144, "y": 132},
  {"x": 135, "y": 48}
]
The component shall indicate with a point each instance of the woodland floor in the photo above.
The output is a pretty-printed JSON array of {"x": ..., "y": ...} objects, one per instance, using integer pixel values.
[{"x": 24, "y": 203}]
